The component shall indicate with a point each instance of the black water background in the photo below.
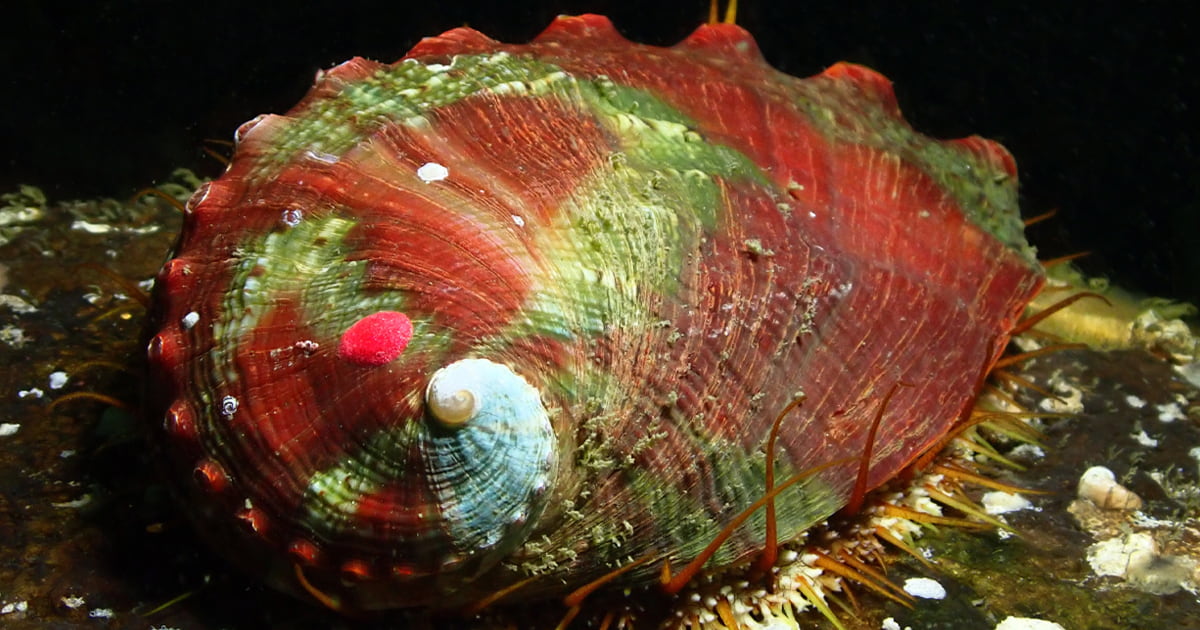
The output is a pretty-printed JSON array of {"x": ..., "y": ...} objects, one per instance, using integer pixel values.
[{"x": 1097, "y": 100}]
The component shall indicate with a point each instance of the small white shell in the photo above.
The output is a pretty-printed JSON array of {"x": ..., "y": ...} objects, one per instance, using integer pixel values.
[
  {"x": 1099, "y": 485},
  {"x": 449, "y": 403}
]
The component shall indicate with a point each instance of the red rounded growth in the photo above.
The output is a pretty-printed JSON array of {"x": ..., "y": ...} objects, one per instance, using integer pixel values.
[{"x": 376, "y": 339}]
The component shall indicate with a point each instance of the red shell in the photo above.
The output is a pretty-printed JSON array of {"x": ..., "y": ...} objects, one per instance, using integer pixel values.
[{"x": 810, "y": 241}]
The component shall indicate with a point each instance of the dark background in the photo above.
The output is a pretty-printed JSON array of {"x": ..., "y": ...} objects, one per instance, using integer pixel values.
[{"x": 1097, "y": 102}]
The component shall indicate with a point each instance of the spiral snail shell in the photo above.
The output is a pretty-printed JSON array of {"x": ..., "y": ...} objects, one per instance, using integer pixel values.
[{"x": 506, "y": 317}]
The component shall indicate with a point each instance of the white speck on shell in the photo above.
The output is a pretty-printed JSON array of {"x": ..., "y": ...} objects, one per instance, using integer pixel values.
[
  {"x": 432, "y": 172},
  {"x": 518, "y": 220},
  {"x": 189, "y": 320}
]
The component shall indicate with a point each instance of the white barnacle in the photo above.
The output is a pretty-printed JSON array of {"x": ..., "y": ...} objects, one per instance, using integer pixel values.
[
  {"x": 292, "y": 217},
  {"x": 432, "y": 172}
]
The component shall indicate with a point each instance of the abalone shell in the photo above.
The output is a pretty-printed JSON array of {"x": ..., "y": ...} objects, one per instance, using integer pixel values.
[{"x": 511, "y": 316}]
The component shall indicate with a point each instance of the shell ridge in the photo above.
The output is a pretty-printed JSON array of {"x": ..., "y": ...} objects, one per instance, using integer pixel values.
[
  {"x": 456, "y": 41},
  {"x": 596, "y": 29},
  {"x": 724, "y": 42}
]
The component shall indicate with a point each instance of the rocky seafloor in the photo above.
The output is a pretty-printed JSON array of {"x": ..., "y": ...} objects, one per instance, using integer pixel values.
[{"x": 90, "y": 538}]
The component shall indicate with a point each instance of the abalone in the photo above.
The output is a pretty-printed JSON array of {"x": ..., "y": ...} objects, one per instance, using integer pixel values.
[{"x": 508, "y": 317}]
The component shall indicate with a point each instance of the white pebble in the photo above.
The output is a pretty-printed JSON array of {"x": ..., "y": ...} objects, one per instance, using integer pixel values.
[
  {"x": 432, "y": 172},
  {"x": 1135, "y": 402},
  {"x": 32, "y": 392},
  {"x": 1145, "y": 440},
  {"x": 1004, "y": 502},
  {"x": 1123, "y": 555},
  {"x": 9, "y": 428},
  {"x": 1028, "y": 450},
  {"x": 1170, "y": 412},
  {"x": 58, "y": 379},
  {"x": 190, "y": 320},
  {"x": 924, "y": 588},
  {"x": 12, "y": 607},
  {"x": 16, "y": 304}
]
